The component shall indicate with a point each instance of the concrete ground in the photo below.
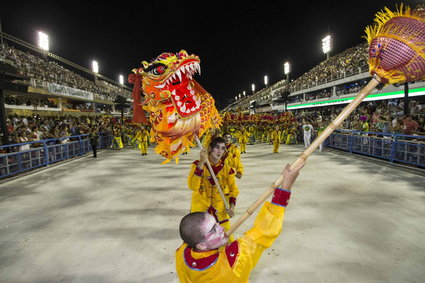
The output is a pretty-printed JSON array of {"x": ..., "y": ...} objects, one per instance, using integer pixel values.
[{"x": 115, "y": 219}]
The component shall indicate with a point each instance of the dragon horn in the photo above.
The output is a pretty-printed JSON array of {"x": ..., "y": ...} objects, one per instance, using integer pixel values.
[{"x": 145, "y": 64}]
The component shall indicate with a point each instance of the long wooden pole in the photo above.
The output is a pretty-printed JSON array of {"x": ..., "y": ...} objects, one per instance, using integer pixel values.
[
  {"x": 223, "y": 197},
  {"x": 329, "y": 129}
]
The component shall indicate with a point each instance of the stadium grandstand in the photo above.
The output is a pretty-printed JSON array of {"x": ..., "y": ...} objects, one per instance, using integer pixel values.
[
  {"x": 49, "y": 106},
  {"x": 389, "y": 124},
  {"x": 48, "y": 98},
  {"x": 334, "y": 81}
]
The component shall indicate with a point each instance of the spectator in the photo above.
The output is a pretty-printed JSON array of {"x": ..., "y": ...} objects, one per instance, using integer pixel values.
[
  {"x": 409, "y": 125},
  {"x": 22, "y": 138}
]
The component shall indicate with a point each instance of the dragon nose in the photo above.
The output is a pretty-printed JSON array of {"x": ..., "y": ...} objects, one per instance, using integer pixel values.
[{"x": 182, "y": 53}]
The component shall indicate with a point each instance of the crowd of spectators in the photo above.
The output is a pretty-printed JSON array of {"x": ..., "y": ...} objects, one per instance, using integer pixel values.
[
  {"x": 351, "y": 61},
  {"x": 30, "y": 101},
  {"x": 39, "y": 69},
  {"x": 347, "y": 63},
  {"x": 384, "y": 116},
  {"x": 24, "y": 129},
  {"x": 324, "y": 93}
]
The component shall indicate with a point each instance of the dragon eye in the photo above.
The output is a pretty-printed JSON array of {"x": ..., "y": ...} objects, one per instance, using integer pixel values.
[
  {"x": 156, "y": 69},
  {"x": 159, "y": 70}
]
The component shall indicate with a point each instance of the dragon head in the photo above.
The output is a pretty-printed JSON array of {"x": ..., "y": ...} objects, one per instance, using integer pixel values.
[{"x": 179, "y": 107}]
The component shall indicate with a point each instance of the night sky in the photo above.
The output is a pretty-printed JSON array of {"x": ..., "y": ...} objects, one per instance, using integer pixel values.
[{"x": 238, "y": 43}]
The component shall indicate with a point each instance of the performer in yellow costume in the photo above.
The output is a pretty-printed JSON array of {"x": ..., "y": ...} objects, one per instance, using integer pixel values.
[
  {"x": 117, "y": 142},
  {"x": 206, "y": 256},
  {"x": 243, "y": 137},
  {"x": 275, "y": 139},
  {"x": 232, "y": 155},
  {"x": 205, "y": 196},
  {"x": 266, "y": 134},
  {"x": 291, "y": 138},
  {"x": 142, "y": 138}
]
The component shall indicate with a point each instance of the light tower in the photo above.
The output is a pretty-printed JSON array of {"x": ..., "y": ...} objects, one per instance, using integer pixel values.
[
  {"x": 43, "y": 41},
  {"x": 286, "y": 70},
  {"x": 326, "y": 45}
]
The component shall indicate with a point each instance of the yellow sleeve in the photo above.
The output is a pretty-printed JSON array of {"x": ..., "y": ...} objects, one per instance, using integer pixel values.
[
  {"x": 267, "y": 227},
  {"x": 234, "y": 159},
  {"x": 233, "y": 188},
  {"x": 237, "y": 164},
  {"x": 235, "y": 151},
  {"x": 194, "y": 180}
]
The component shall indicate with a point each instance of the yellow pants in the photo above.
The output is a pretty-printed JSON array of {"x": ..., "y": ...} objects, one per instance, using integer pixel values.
[
  {"x": 288, "y": 139},
  {"x": 118, "y": 143},
  {"x": 275, "y": 146},
  {"x": 243, "y": 147},
  {"x": 143, "y": 147}
]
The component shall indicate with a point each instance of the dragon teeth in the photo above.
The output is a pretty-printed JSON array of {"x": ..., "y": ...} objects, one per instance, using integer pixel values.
[
  {"x": 198, "y": 67},
  {"x": 179, "y": 74},
  {"x": 160, "y": 86},
  {"x": 189, "y": 70}
]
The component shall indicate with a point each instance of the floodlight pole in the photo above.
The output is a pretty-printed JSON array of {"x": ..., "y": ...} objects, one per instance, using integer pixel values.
[
  {"x": 406, "y": 99},
  {"x": 3, "y": 124},
  {"x": 1, "y": 35}
]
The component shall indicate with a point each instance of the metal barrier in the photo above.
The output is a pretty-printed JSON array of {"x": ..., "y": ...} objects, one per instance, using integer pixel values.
[
  {"x": 22, "y": 157},
  {"x": 391, "y": 147}
]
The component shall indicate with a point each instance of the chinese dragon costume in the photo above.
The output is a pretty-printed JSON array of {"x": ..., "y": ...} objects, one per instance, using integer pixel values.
[{"x": 178, "y": 106}]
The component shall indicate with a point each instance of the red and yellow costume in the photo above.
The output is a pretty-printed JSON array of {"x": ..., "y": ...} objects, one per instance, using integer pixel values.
[
  {"x": 233, "y": 157},
  {"x": 235, "y": 261},
  {"x": 142, "y": 138},
  {"x": 290, "y": 138},
  {"x": 205, "y": 196},
  {"x": 243, "y": 138},
  {"x": 117, "y": 142},
  {"x": 275, "y": 138}
]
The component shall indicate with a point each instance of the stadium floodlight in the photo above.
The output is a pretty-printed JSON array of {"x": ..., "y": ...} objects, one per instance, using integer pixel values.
[
  {"x": 95, "y": 67},
  {"x": 286, "y": 68},
  {"x": 326, "y": 45},
  {"x": 43, "y": 41},
  {"x": 253, "y": 87},
  {"x": 266, "y": 80},
  {"x": 121, "y": 79}
]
